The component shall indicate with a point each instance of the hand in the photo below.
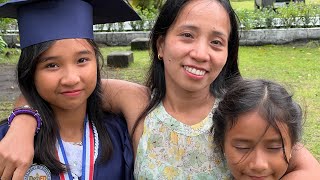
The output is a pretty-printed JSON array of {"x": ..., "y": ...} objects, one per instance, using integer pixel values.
[{"x": 16, "y": 148}]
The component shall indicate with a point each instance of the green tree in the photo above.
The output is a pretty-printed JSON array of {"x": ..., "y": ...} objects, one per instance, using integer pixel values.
[
  {"x": 148, "y": 4},
  {"x": 5, "y": 22}
]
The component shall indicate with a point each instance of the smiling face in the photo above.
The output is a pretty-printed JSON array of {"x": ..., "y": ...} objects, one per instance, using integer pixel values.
[
  {"x": 195, "y": 48},
  {"x": 66, "y": 74},
  {"x": 254, "y": 150}
]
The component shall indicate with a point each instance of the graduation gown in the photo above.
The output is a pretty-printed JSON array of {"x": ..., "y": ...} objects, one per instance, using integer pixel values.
[{"x": 120, "y": 165}]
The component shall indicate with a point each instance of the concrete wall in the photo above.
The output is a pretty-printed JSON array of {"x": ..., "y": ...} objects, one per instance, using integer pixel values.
[
  {"x": 249, "y": 37},
  {"x": 118, "y": 38},
  {"x": 278, "y": 36}
]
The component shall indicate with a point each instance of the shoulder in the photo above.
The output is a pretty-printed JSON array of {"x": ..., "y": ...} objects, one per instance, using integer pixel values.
[
  {"x": 117, "y": 128},
  {"x": 116, "y": 87},
  {"x": 122, "y": 155},
  {"x": 3, "y": 128},
  {"x": 121, "y": 93},
  {"x": 125, "y": 97},
  {"x": 114, "y": 122},
  {"x": 122, "y": 84}
]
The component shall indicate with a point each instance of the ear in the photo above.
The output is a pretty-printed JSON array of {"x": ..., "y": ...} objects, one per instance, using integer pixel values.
[
  {"x": 160, "y": 46},
  {"x": 289, "y": 155},
  {"x": 288, "y": 152}
]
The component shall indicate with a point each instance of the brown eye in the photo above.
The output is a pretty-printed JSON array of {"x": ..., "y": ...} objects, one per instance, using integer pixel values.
[
  {"x": 216, "y": 42},
  {"x": 82, "y": 60},
  {"x": 51, "y": 65},
  {"x": 188, "y": 35}
]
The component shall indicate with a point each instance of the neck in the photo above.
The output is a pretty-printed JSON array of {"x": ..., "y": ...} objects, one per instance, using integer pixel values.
[
  {"x": 71, "y": 124},
  {"x": 189, "y": 108}
]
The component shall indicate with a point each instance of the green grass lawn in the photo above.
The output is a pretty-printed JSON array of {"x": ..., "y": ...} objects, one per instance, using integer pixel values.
[
  {"x": 295, "y": 66},
  {"x": 242, "y": 4}
]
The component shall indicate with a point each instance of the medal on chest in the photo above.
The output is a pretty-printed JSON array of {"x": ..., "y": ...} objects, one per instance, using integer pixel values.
[{"x": 89, "y": 153}]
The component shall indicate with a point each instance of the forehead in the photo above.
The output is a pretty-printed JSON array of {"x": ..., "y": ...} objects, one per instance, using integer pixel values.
[
  {"x": 68, "y": 47},
  {"x": 252, "y": 125},
  {"x": 210, "y": 12}
]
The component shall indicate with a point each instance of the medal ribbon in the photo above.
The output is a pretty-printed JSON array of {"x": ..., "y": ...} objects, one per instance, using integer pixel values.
[{"x": 87, "y": 159}]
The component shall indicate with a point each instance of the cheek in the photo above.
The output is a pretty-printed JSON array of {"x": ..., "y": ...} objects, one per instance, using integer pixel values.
[
  {"x": 90, "y": 78},
  {"x": 221, "y": 61},
  {"x": 174, "y": 50},
  {"x": 232, "y": 157},
  {"x": 45, "y": 85},
  {"x": 278, "y": 164},
  {"x": 218, "y": 61},
  {"x": 92, "y": 84}
]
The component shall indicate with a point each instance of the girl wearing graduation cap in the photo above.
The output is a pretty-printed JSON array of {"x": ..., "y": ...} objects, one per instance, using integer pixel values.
[
  {"x": 59, "y": 75},
  {"x": 194, "y": 51}
]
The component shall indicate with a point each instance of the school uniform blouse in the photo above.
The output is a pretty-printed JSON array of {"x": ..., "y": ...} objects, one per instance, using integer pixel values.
[{"x": 120, "y": 165}]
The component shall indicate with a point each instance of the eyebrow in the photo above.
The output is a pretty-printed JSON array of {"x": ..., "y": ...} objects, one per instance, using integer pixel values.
[
  {"x": 274, "y": 140},
  {"x": 83, "y": 52},
  {"x": 268, "y": 141},
  {"x": 192, "y": 27},
  {"x": 241, "y": 140}
]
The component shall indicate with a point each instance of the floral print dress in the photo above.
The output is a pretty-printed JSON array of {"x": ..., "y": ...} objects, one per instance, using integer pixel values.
[{"x": 169, "y": 149}]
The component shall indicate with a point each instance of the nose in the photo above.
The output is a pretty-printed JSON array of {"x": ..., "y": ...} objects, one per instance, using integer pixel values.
[
  {"x": 200, "y": 51},
  {"x": 258, "y": 161},
  {"x": 70, "y": 77}
]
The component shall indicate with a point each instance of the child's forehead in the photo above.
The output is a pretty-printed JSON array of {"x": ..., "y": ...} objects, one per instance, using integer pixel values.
[
  {"x": 70, "y": 47},
  {"x": 254, "y": 117},
  {"x": 252, "y": 123}
]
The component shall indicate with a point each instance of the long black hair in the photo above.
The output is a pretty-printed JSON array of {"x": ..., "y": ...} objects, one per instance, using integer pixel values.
[
  {"x": 156, "y": 76},
  {"x": 272, "y": 101},
  {"x": 45, "y": 140}
]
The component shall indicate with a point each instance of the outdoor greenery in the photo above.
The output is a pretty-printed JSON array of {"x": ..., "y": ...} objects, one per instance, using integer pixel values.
[
  {"x": 147, "y": 4},
  {"x": 3, "y": 44},
  {"x": 5, "y": 22},
  {"x": 249, "y": 4},
  {"x": 290, "y": 16}
]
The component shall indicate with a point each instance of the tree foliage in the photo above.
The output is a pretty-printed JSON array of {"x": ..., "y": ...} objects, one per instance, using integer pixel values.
[{"x": 148, "y": 4}]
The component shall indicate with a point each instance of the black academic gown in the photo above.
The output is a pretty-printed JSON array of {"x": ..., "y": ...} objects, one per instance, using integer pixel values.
[{"x": 120, "y": 165}]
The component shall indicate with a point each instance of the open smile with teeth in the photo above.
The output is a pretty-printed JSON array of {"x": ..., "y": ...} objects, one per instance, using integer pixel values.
[{"x": 194, "y": 71}]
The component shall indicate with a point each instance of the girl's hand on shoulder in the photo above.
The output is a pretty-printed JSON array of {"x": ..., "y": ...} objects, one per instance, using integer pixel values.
[{"x": 16, "y": 148}]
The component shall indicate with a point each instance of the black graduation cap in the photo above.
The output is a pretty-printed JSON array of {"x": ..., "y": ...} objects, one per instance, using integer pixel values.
[{"x": 44, "y": 20}]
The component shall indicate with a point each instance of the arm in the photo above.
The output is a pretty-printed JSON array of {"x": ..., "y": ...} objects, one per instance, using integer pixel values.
[
  {"x": 302, "y": 165},
  {"x": 127, "y": 98},
  {"x": 124, "y": 97},
  {"x": 16, "y": 148}
]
